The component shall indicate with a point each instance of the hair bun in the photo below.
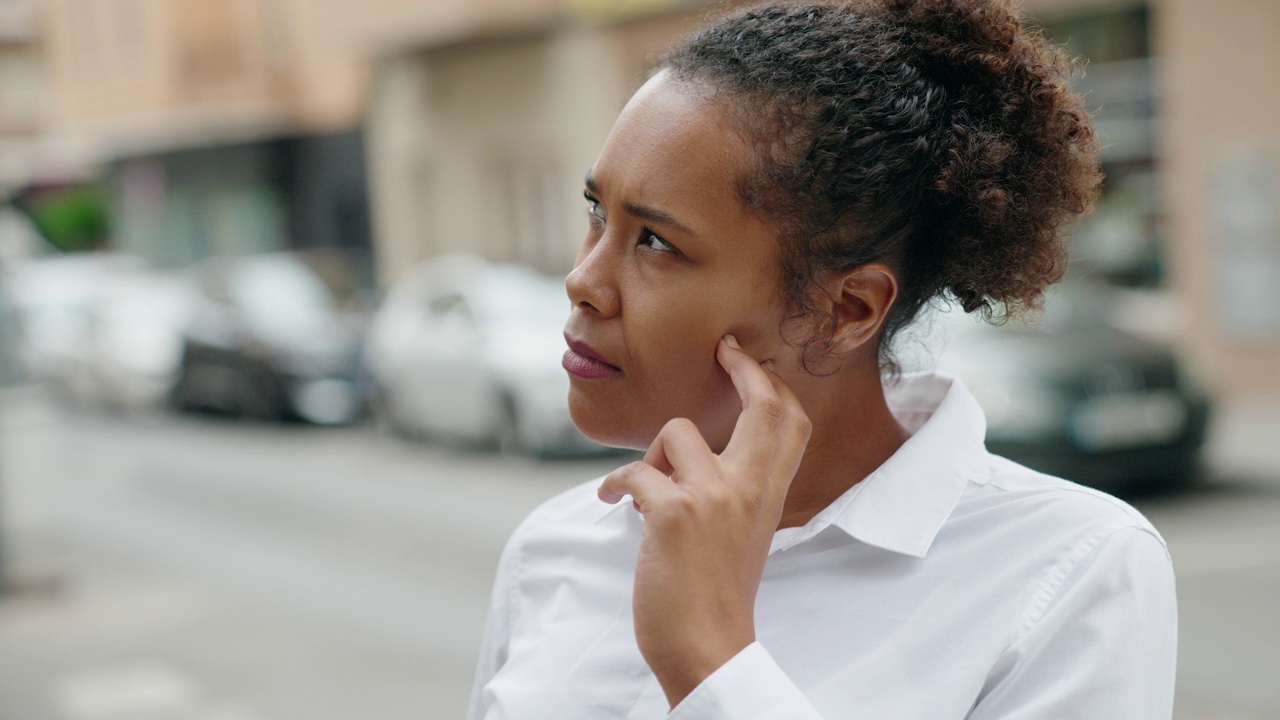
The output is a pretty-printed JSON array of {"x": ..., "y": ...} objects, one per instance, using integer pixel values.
[
  {"x": 1015, "y": 158},
  {"x": 972, "y": 35}
]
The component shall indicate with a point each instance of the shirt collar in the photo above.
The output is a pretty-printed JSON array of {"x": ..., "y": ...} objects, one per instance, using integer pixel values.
[{"x": 902, "y": 505}]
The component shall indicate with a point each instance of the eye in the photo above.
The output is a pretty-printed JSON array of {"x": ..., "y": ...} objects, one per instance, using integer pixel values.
[
  {"x": 594, "y": 209},
  {"x": 652, "y": 240}
]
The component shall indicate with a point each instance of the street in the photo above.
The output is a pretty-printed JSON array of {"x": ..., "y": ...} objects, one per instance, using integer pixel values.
[{"x": 187, "y": 567}]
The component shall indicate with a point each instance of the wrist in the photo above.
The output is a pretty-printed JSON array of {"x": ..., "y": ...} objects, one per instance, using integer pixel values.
[{"x": 680, "y": 673}]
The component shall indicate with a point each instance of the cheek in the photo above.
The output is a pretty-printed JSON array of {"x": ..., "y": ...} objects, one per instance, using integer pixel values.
[
  {"x": 677, "y": 374},
  {"x": 672, "y": 369}
]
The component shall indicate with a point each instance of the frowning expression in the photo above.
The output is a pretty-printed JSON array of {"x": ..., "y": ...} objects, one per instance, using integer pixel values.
[{"x": 673, "y": 260}]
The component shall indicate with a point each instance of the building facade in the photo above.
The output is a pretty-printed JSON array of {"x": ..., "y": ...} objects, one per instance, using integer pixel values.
[
  {"x": 217, "y": 127},
  {"x": 24, "y": 97}
]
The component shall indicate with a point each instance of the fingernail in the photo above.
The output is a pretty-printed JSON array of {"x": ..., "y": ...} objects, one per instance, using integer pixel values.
[{"x": 732, "y": 342}]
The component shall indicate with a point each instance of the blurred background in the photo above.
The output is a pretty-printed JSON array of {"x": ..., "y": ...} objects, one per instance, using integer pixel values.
[{"x": 280, "y": 300}]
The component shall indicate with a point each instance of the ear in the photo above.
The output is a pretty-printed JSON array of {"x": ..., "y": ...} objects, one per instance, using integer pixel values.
[{"x": 859, "y": 302}]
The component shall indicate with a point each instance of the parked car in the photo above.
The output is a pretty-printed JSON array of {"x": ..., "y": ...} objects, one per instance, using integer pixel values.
[
  {"x": 268, "y": 340},
  {"x": 19, "y": 238},
  {"x": 470, "y": 351},
  {"x": 1073, "y": 396},
  {"x": 52, "y": 298},
  {"x": 129, "y": 350}
]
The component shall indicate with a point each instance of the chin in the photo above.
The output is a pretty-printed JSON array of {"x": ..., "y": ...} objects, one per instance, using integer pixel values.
[
  {"x": 615, "y": 425},
  {"x": 612, "y": 429}
]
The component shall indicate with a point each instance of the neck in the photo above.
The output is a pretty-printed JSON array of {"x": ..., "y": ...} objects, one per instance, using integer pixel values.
[{"x": 853, "y": 434}]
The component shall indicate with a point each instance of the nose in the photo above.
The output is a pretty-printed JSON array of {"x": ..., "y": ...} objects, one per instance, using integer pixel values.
[{"x": 592, "y": 285}]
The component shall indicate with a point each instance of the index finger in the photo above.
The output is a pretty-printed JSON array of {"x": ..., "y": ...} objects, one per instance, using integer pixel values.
[{"x": 771, "y": 418}]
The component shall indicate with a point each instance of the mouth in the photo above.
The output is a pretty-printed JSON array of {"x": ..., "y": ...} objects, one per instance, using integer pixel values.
[{"x": 586, "y": 362}]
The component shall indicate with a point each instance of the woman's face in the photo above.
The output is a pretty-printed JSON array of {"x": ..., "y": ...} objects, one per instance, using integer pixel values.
[{"x": 672, "y": 261}]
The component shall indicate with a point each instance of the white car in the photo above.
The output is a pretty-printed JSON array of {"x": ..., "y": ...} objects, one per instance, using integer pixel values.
[
  {"x": 53, "y": 297},
  {"x": 101, "y": 329},
  {"x": 129, "y": 354},
  {"x": 470, "y": 351}
]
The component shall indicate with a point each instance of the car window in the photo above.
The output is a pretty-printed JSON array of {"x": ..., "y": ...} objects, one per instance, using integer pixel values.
[
  {"x": 280, "y": 297},
  {"x": 451, "y": 307},
  {"x": 446, "y": 303},
  {"x": 512, "y": 297}
]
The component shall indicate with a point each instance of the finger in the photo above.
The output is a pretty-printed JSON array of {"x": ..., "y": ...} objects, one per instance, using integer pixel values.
[
  {"x": 680, "y": 451},
  {"x": 766, "y": 407},
  {"x": 640, "y": 480},
  {"x": 793, "y": 435}
]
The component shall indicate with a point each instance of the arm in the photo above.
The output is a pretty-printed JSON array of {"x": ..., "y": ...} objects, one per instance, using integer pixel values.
[
  {"x": 750, "y": 686},
  {"x": 1100, "y": 641},
  {"x": 497, "y": 628}
]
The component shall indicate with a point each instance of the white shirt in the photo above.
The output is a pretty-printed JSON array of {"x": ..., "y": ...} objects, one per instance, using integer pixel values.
[{"x": 950, "y": 583}]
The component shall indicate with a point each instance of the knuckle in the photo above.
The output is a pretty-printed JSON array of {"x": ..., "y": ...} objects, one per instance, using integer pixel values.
[
  {"x": 769, "y": 407},
  {"x": 624, "y": 473},
  {"x": 803, "y": 425},
  {"x": 684, "y": 503},
  {"x": 637, "y": 468},
  {"x": 719, "y": 494},
  {"x": 677, "y": 426}
]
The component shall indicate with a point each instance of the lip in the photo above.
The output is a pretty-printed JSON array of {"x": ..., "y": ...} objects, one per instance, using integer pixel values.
[{"x": 586, "y": 362}]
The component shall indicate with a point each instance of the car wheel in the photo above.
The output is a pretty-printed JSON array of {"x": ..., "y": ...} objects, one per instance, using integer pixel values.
[{"x": 388, "y": 420}]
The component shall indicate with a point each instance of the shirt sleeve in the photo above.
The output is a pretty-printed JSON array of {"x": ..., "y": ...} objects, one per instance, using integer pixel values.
[
  {"x": 1099, "y": 642},
  {"x": 497, "y": 628},
  {"x": 750, "y": 686}
]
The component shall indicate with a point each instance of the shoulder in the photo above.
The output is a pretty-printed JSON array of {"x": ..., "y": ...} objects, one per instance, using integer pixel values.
[
  {"x": 1050, "y": 506},
  {"x": 1059, "y": 532},
  {"x": 1091, "y": 597},
  {"x": 1047, "y": 538}
]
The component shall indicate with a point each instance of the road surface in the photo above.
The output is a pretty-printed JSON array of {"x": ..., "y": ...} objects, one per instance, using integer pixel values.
[{"x": 208, "y": 570}]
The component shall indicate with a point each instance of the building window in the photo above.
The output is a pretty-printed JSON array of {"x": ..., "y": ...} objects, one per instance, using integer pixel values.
[
  {"x": 532, "y": 196},
  {"x": 131, "y": 36},
  {"x": 276, "y": 40},
  {"x": 87, "y": 57},
  {"x": 1121, "y": 240}
]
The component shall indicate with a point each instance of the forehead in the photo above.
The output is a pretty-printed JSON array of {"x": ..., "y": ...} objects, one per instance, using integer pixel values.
[{"x": 672, "y": 144}]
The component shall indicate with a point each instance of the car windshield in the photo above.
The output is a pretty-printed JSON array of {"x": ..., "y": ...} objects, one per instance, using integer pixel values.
[
  {"x": 1076, "y": 309},
  {"x": 147, "y": 301},
  {"x": 280, "y": 296},
  {"x": 515, "y": 297}
]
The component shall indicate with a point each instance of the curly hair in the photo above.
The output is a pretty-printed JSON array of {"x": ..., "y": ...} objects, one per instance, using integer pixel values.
[{"x": 937, "y": 136}]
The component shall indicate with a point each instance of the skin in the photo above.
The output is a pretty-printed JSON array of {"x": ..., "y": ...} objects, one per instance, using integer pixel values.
[{"x": 677, "y": 286}]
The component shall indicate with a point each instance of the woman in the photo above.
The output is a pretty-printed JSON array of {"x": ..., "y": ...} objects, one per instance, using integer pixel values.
[{"x": 811, "y": 534}]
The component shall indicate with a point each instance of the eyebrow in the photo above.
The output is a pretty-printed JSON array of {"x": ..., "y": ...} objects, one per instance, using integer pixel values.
[{"x": 644, "y": 212}]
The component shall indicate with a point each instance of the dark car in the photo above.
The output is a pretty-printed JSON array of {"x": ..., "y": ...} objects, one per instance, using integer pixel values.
[
  {"x": 1073, "y": 396},
  {"x": 267, "y": 340}
]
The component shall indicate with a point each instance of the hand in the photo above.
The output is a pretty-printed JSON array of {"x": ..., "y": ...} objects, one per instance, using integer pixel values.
[{"x": 709, "y": 522}]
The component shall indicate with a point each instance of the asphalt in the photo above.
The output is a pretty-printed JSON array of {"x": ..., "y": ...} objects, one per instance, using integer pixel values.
[{"x": 73, "y": 597}]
